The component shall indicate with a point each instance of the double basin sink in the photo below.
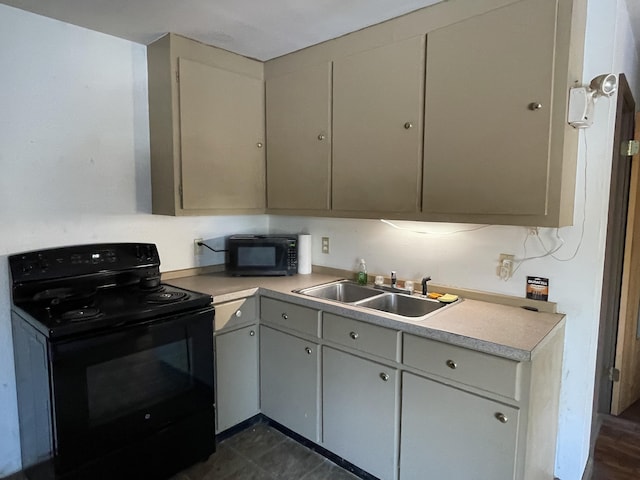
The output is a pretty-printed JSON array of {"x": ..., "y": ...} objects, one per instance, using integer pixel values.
[{"x": 403, "y": 304}]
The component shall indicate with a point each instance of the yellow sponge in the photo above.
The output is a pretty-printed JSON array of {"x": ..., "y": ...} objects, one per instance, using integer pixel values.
[{"x": 448, "y": 298}]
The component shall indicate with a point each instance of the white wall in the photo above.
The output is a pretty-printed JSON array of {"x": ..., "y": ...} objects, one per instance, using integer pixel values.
[
  {"x": 469, "y": 259},
  {"x": 74, "y": 163}
]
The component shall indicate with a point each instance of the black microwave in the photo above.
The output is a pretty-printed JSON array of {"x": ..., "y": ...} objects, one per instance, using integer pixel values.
[{"x": 249, "y": 255}]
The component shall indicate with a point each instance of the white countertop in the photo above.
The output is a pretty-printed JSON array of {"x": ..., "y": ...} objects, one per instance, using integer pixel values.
[{"x": 503, "y": 330}]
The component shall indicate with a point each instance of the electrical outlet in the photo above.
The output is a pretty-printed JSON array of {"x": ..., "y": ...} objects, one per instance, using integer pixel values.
[
  {"x": 325, "y": 244},
  {"x": 505, "y": 266},
  {"x": 197, "y": 249}
]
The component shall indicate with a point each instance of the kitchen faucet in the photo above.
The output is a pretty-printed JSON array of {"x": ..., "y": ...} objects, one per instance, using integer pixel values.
[{"x": 425, "y": 279}]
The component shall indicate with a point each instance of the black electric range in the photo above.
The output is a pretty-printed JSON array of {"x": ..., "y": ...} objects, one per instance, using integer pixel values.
[{"x": 113, "y": 367}]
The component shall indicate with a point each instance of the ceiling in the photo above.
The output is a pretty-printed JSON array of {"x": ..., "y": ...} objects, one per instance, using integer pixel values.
[{"x": 261, "y": 29}]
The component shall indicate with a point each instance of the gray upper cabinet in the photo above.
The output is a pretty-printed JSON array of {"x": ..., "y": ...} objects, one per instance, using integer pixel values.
[
  {"x": 221, "y": 138},
  {"x": 377, "y": 128},
  {"x": 452, "y": 113},
  {"x": 299, "y": 137},
  {"x": 206, "y": 118},
  {"x": 488, "y": 113}
]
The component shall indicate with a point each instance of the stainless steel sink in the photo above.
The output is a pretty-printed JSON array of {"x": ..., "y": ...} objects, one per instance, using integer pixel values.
[
  {"x": 403, "y": 305},
  {"x": 415, "y": 308},
  {"x": 343, "y": 291}
]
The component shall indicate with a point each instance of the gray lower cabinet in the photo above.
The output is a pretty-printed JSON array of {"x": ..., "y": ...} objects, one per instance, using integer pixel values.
[
  {"x": 236, "y": 376},
  {"x": 289, "y": 368},
  {"x": 449, "y": 433},
  {"x": 359, "y": 399}
]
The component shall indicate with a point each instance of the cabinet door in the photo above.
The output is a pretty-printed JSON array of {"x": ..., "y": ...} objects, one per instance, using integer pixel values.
[
  {"x": 377, "y": 128},
  {"x": 449, "y": 433},
  {"x": 359, "y": 405},
  {"x": 486, "y": 143},
  {"x": 221, "y": 138},
  {"x": 289, "y": 381},
  {"x": 236, "y": 376},
  {"x": 299, "y": 139}
]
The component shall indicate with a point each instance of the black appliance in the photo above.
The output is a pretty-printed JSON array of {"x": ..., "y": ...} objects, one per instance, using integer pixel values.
[
  {"x": 253, "y": 255},
  {"x": 114, "y": 369}
]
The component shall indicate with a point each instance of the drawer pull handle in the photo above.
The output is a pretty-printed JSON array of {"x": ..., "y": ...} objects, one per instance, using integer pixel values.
[
  {"x": 252, "y": 333},
  {"x": 285, "y": 316},
  {"x": 502, "y": 418},
  {"x": 384, "y": 376},
  {"x": 354, "y": 335},
  {"x": 452, "y": 365},
  {"x": 308, "y": 350},
  {"x": 238, "y": 313}
]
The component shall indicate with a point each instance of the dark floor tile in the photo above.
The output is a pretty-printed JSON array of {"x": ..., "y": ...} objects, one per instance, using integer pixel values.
[
  {"x": 255, "y": 440},
  {"x": 249, "y": 471},
  {"x": 180, "y": 476},
  {"x": 224, "y": 461},
  {"x": 328, "y": 470},
  {"x": 289, "y": 460}
]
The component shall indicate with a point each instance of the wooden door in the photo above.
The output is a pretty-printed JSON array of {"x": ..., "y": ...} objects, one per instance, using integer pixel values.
[
  {"x": 221, "y": 138},
  {"x": 626, "y": 391},
  {"x": 299, "y": 138},
  {"x": 377, "y": 128}
]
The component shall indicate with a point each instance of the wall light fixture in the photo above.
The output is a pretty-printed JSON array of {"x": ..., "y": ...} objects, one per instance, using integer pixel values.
[{"x": 582, "y": 99}]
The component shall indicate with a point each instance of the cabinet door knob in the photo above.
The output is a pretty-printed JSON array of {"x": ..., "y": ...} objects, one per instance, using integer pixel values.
[
  {"x": 238, "y": 313},
  {"x": 321, "y": 137},
  {"x": 535, "y": 106},
  {"x": 502, "y": 418},
  {"x": 259, "y": 145},
  {"x": 384, "y": 376},
  {"x": 285, "y": 316},
  {"x": 408, "y": 125},
  {"x": 452, "y": 365},
  {"x": 252, "y": 333},
  {"x": 308, "y": 350},
  {"x": 353, "y": 335}
]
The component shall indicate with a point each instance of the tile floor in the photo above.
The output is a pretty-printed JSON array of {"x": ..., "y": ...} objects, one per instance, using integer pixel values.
[
  {"x": 262, "y": 453},
  {"x": 259, "y": 452}
]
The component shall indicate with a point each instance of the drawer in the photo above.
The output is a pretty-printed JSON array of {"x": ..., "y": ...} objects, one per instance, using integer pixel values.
[
  {"x": 289, "y": 315},
  {"x": 362, "y": 336},
  {"x": 481, "y": 370},
  {"x": 237, "y": 313}
]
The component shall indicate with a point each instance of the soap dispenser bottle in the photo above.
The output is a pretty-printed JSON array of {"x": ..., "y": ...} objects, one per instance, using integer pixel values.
[{"x": 362, "y": 272}]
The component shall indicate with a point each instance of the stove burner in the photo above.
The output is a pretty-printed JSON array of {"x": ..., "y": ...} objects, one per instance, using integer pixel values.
[
  {"x": 80, "y": 314},
  {"x": 165, "y": 297},
  {"x": 56, "y": 296}
]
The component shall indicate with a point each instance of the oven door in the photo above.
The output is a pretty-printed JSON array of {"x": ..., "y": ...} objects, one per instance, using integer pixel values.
[{"x": 115, "y": 388}]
